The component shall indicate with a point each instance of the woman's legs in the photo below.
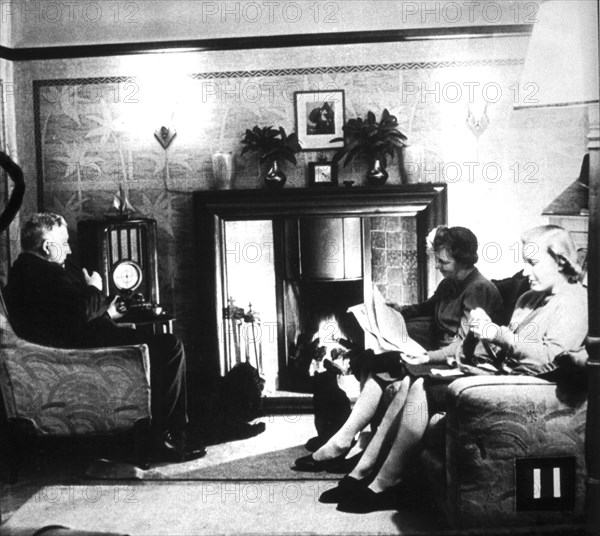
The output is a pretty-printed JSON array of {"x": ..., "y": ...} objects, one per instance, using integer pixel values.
[
  {"x": 413, "y": 423},
  {"x": 361, "y": 415},
  {"x": 388, "y": 426}
]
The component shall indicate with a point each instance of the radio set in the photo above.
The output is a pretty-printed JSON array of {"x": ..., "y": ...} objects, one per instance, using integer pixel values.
[{"x": 124, "y": 253}]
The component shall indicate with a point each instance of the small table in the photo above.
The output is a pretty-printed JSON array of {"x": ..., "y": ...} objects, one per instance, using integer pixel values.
[{"x": 150, "y": 323}]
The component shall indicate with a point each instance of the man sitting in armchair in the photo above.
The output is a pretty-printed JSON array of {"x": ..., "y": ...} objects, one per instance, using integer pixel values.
[{"x": 50, "y": 302}]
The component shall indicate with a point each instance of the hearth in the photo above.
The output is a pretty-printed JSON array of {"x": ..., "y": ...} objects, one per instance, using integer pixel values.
[{"x": 299, "y": 258}]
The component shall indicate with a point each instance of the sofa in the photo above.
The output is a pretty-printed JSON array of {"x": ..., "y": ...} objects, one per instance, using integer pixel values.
[{"x": 479, "y": 456}]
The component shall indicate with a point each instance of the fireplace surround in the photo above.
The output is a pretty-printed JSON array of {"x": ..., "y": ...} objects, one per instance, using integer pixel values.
[{"x": 424, "y": 205}]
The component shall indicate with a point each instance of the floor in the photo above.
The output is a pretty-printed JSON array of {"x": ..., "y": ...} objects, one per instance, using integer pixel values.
[{"x": 58, "y": 493}]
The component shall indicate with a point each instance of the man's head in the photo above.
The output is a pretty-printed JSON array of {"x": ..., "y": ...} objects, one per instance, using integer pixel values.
[{"x": 46, "y": 235}]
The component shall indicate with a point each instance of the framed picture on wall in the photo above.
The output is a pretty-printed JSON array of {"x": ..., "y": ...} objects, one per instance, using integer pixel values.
[
  {"x": 322, "y": 174},
  {"x": 319, "y": 118}
]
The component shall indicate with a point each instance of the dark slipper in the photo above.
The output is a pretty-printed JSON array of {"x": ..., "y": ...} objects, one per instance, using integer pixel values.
[
  {"x": 365, "y": 500},
  {"x": 346, "y": 465},
  {"x": 310, "y": 465},
  {"x": 315, "y": 443},
  {"x": 346, "y": 486}
]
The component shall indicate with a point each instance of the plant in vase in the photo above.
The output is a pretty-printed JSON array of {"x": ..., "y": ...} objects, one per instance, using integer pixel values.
[
  {"x": 373, "y": 140},
  {"x": 273, "y": 146}
]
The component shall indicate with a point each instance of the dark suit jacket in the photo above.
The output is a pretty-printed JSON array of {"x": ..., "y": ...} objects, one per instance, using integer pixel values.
[{"x": 52, "y": 305}]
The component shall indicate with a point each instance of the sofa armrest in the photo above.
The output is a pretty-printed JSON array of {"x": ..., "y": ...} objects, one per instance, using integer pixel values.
[
  {"x": 490, "y": 422},
  {"x": 75, "y": 391}
]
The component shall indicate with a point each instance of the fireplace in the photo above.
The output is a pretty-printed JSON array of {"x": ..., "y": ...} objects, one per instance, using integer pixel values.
[{"x": 282, "y": 267}]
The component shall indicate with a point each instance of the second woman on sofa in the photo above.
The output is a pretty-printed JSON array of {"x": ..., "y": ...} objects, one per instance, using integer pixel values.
[{"x": 462, "y": 289}]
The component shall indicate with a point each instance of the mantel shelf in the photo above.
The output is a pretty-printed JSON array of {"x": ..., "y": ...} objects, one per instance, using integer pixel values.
[{"x": 318, "y": 201}]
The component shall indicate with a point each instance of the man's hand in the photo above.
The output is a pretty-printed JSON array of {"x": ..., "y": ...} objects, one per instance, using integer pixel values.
[
  {"x": 419, "y": 359},
  {"x": 481, "y": 325},
  {"x": 94, "y": 279},
  {"x": 116, "y": 308}
]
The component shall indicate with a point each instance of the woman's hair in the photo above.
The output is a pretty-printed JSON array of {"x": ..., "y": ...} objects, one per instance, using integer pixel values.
[
  {"x": 459, "y": 242},
  {"x": 557, "y": 242},
  {"x": 33, "y": 231}
]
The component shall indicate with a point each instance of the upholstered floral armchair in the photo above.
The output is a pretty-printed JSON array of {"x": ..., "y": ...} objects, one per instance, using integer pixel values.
[{"x": 56, "y": 392}]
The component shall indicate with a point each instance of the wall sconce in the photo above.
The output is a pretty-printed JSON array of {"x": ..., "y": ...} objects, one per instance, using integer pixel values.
[
  {"x": 165, "y": 136},
  {"x": 477, "y": 120}
]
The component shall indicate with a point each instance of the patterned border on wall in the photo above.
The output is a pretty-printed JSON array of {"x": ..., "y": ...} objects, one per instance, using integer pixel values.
[{"x": 357, "y": 68}]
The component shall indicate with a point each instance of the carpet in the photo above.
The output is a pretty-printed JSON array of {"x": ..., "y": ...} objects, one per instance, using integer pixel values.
[
  {"x": 204, "y": 508},
  {"x": 243, "y": 508},
  {"x": 268, "y": 456}
]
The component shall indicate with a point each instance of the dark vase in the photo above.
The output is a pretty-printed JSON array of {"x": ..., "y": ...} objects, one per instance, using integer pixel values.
[
  {"x": 275, "y": 178},
  {"x": 377, "y": 175}
]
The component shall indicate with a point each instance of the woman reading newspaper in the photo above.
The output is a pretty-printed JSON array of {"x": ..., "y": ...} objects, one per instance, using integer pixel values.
[
  {"x": 462, "y": 290},
  {"x": 547, "y": 329}
]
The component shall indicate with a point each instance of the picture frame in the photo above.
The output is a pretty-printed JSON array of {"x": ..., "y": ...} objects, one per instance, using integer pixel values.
[
  {"x": 322, "y": 174},
  {"x": 320, "y": 118}
]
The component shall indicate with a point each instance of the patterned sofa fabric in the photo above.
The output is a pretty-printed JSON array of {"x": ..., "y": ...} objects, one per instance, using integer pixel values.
[
  {"x": 72, "y": 392},
  {"x": 490, "y": 422}
]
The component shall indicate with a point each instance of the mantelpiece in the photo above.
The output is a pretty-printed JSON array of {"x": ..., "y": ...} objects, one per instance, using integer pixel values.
[{"x": 426, "y": 203}]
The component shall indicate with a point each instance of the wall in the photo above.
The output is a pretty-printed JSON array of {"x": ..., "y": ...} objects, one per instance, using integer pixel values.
[
  {"x": 38, "y": 23},
  {"x": 499, "y": 180}
]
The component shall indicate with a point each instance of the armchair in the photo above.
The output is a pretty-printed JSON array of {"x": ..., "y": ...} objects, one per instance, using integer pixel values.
[{"x": 49, "y": 391}]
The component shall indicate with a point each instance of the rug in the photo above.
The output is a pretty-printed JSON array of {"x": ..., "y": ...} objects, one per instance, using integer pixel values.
[{"x": 268, "y": 456}]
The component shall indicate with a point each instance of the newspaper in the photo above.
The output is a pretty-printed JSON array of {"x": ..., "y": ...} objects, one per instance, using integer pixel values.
[{"x": 384, "y": 327}]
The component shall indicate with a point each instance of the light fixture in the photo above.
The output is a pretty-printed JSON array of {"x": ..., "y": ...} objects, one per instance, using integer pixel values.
[
  {"x": 165, "y": 136},
  {"x": 562, "y": 69},
  {"x": 477, "y": 120}
]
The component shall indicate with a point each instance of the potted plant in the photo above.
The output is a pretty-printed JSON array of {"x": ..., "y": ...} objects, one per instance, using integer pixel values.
[
  {"x": 374, "y": 140},
  {"x": 273, "y": 146}
]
